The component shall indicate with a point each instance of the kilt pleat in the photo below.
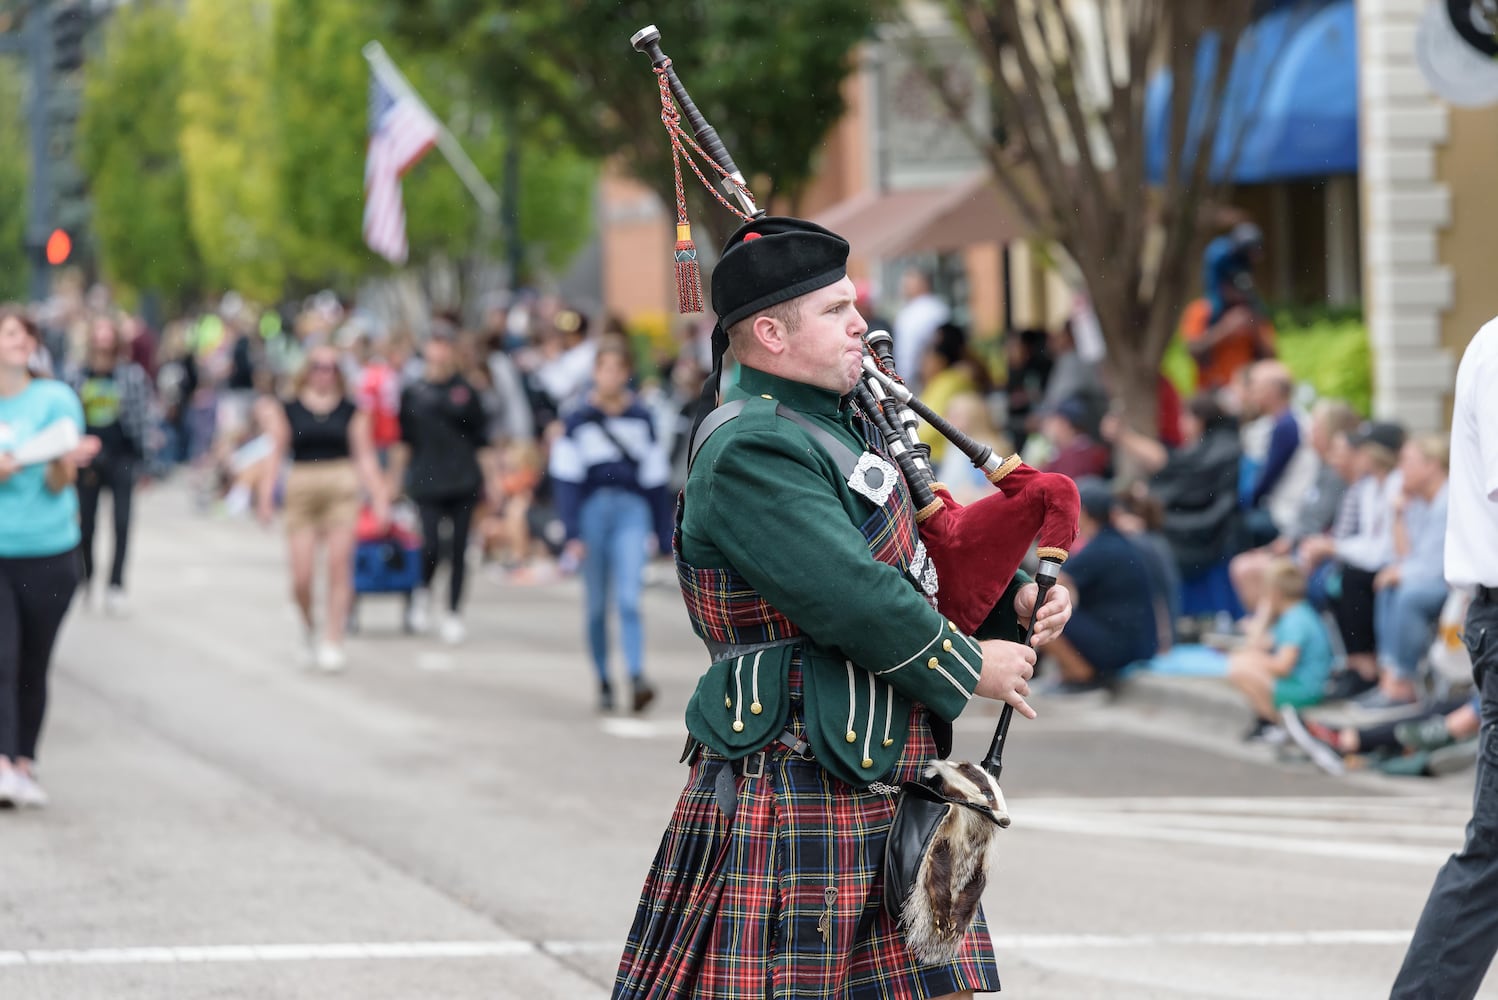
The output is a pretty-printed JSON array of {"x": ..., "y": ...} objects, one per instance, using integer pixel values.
[{"x": 734, "y": 909}]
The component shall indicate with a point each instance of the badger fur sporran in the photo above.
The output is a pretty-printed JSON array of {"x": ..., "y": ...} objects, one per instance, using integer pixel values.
[{"x": 936, "y": 861}]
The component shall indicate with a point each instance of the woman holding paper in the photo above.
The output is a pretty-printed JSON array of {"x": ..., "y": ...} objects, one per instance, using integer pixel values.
[{"x": 41, "y": 443}]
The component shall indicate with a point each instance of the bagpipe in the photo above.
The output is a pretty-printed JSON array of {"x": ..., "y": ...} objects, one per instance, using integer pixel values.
[{"x": 944, "y": 831}]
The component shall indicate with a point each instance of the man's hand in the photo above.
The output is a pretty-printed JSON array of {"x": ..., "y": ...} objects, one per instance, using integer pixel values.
[
  {"x": 1007, "y": 669},
  {"x": 1053, "y": 616},
  {"x": 8, "y": 466},
  {"x": 1386, "y": 578}
]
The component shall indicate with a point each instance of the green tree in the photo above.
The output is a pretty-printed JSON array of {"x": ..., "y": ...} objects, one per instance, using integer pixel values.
[
  {"x": 14, "y": 267},
  {"x": 769, "y": 84},
  {"x": 128, "y": 136},
  {"x": 229, "y": 142},
  {"x": 556, "y": 189},
  {"x": 321, "y": 96}
]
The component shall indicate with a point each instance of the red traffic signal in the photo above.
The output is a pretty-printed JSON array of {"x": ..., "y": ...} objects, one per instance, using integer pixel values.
[{"x": 59, "y": 246}]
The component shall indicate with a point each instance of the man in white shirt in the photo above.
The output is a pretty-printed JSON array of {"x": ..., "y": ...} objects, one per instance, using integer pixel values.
[
  {"x": 916, "y": 324},
  {"x": 1457, "y": 935}
]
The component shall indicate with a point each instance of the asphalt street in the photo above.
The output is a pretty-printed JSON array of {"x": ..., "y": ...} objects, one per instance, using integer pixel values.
[{"x": 459, "y": 823}]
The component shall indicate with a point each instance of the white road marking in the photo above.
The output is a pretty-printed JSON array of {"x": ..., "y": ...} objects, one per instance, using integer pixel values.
[
  {"x": 643, "y": 729},
  {"x": 272, "y": 953},
  {"x": 434, "y": 661},
  {"x": 361, "y": 951},
  {"x": 1399, "y": 831},
  {"x": 1231, "y": 939}
]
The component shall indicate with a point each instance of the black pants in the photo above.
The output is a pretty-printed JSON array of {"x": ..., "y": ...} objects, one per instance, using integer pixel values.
[
  {"x": 34, "y": 597},
  {"x": 457, "y": 512},
  {"x": 115, "y": 473},
  {"x": 1353, "y": 609},
  {"x": 1458, "y": 930}
]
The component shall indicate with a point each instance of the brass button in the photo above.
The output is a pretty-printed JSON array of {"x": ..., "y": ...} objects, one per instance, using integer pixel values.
[
  {"x": 756, "y": 708},
  {"x": 765, "y": 395},
  {"x": 888, "y": 743},
  {"x": 738, "y": 727},
  {"x": 932, "y": 663},
  {"x": 946, "y": 644},
  {"x": 727, "y": 702},
  {"x": 868, "y": 762},
  {"x": 852, "y": 737},
  {"x": 952, "y": 625}
]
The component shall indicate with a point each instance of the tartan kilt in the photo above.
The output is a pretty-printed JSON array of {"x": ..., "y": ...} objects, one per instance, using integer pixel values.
[{"x": 731, "y": 908}]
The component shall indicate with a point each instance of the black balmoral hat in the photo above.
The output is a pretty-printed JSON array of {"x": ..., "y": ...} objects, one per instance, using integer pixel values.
[{"x": 774, "y": 259}]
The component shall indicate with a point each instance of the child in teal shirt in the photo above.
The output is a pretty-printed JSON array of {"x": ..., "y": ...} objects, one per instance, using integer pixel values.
[{"x": 1288, "y": 656}]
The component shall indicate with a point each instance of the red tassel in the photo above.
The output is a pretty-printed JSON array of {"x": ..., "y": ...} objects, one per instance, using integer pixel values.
[{"x": 688, "y": 271}]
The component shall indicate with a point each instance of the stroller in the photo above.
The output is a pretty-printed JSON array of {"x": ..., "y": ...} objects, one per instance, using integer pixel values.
[{"x": 386, "y": 561}]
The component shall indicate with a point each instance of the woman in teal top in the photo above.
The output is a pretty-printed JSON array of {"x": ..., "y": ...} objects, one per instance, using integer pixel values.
[{"x": 41, "y": 428}]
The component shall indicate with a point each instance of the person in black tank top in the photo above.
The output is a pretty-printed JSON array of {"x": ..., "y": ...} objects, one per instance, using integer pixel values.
[
  {"x": 331, "y": 452},
  {"x": 319, "y": 437}
]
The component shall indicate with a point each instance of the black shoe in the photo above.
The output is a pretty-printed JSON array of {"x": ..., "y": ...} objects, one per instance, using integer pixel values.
[
  {"x": 1348, "y": 684},
  {"x": 605, "y": 698},
  {"x": 644, "y": 694}
]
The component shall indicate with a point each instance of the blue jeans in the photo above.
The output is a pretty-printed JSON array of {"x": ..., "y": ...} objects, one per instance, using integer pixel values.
[
  {"x": 1457, "y": 934},
  {"x": 614, "y": 525},
  {"x": 1404, "y": 619}
]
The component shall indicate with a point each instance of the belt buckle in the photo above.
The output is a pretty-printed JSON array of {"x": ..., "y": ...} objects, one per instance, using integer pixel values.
[{"x": 754, "y": 764}]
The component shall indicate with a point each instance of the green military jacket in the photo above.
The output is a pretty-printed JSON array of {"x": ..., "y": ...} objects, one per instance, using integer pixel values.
[{"x": 766, "y": 500}]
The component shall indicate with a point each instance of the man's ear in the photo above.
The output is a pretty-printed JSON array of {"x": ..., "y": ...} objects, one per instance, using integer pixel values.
[{"x": 770, "y": 334}]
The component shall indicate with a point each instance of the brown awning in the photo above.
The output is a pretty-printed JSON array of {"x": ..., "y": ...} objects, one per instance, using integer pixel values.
[{"x": 890, "y": 224}]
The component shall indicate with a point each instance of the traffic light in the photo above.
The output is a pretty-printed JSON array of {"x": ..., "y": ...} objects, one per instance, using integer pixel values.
[
  {"x": 69, "y": 25},
  {"x": 59, "y": 247}
]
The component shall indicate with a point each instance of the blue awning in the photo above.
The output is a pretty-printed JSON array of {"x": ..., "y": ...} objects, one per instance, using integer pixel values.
[{"x": 1292, "y": 92}]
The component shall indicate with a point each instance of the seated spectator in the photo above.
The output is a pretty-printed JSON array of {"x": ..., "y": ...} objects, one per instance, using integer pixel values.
[
  {"x": 1139, "y": 517},
  {"x": 1073, "y": 452},
  {"x": 1288, "y": 656},
  {"x": 1113, "y": 623},
  {"x": 947, "y": 369},
  {"x": 1072, "y": 376},
  {"x": 1447, "y": 723},
  {"x": 1196, "y": 483},
  {"x": 1289, "y": 466},
  {"x": 1316, "y": 509},
  {"x": 1409, "y": 593},
  {"x": 967, "y": 483},
  {"x": 1358, "y": 550},
  {"x": 1029, "y": 369}
]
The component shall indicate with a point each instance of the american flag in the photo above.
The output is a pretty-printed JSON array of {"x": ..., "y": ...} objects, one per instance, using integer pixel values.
[{"x": 401, "y": 130}]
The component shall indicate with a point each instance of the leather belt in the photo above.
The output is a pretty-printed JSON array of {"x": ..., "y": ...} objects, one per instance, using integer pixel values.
[{"x": 752, "y": 766}]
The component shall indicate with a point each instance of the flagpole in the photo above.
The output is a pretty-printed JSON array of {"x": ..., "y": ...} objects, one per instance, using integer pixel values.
[{"x": 384, "y": 68}]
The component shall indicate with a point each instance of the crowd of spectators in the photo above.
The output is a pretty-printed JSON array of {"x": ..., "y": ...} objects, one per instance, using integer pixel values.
[{"x": 540, "y": 440}]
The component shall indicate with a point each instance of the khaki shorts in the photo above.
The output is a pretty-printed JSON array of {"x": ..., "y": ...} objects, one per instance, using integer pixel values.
[{"x": 322, "y": 495}]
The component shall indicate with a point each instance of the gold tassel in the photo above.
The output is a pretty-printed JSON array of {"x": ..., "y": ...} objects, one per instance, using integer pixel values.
[{"x": 688, "y": 271}]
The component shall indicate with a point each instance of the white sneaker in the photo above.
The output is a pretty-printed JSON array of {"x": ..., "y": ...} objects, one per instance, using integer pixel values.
[
  {"x": 28, "y": 793},
  {"x": 330, "y": 658},
  {"x": 115, "y": 604},
  {"x": 10, "y": 788},
  {"x": 419, "y": 614},
  {"x": 451, "y": 630}
]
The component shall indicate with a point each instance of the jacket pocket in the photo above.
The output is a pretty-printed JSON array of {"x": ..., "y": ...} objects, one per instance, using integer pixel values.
[{"x": 741, "y": 701}]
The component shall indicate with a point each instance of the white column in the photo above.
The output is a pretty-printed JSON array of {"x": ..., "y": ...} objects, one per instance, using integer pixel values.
[{"x": 1405, "y": 287}]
